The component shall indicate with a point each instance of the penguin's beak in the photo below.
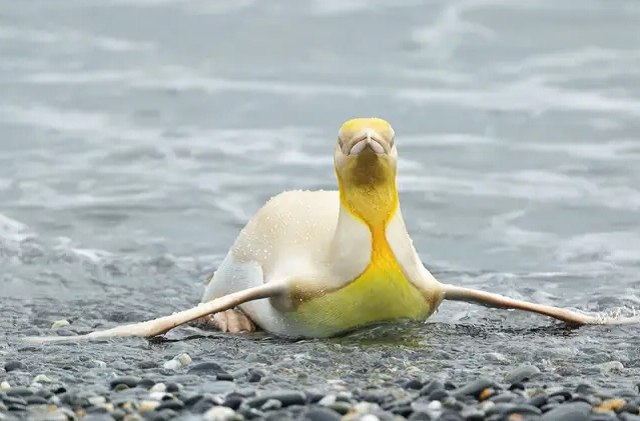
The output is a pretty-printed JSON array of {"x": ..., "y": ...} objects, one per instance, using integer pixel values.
[{"x": 369, "y": 140}]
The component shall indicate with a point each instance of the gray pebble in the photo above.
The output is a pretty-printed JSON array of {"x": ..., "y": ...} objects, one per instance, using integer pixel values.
[
  {"x": 271, "y": 404},
  {"x": 19, "y": 391},
  {"x": 129, "y": 381},
  {"x": 474, "y": 388},
  {"x": 431, "y": 387},
  {"x": 625, "y": 416},
  {"x": 573, "y": 411},
  {"x": 522, "y": 373},
  {"x": 207, "y": 367},
  {"x": 340, "y": 407},
  {"x": 13, "y": 366},
  {"x": 286, "y": 398},
  {"x": 325, "y": 414},
  {"x": 218, "y": 387}
]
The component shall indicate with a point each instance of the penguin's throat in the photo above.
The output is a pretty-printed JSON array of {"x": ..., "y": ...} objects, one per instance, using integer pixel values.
[
  {"x": 374, "y": 205},
  {"x": 368, "y": 191}
]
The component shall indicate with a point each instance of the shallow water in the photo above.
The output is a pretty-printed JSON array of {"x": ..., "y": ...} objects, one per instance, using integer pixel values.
[{"x": 138, "y": 136}]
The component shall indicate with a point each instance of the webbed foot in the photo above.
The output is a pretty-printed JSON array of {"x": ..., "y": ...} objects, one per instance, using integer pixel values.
[{"x": 231, "y": 321}]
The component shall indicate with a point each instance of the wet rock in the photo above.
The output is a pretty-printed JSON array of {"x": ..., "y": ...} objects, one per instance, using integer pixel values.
[
  {"x": 59, "y": 324},
  {"x": 474, "y": 388},
  {"x": 285, "y": 398},
  {"x": 413, "y": 384},
  {"x": 36, "y": 400},
  {"x": 207, "y": 367},
  {"x": 177, "y": 362},
  {"x": 128, "y": 381},
  {"x": 218, "y": 387},
  {"x": 522, "y": 373},
  {"x": 219, "y": 413},
  {"x": 431, "y": 387},
  {"x": 254, "y": 376},
  {"x": 13, "y": 366},
  {"x": 322, "y": 414},
  {"x": 19, "y": 391},
  {"x": 175, "y": 404},
  {"x": 538, "y": 400},
  {"x": 574, "y": 411},
  {"x": 422, "y": 416},
  {"x": 611, "y": 367}
]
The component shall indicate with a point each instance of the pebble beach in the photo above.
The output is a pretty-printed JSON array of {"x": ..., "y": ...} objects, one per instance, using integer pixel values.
[{"x": 137, "y": 137}]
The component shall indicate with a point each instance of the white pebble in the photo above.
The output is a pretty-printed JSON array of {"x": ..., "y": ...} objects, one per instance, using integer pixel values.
[
  {"x": 219, "y": 413},
  {"x": 5, "y": 385},
  {"x": 184, "y": 359},
  {"x": 96, "y": 400},
  {"x": 327, "y": 400},
  {"x": 611, "y": 366},
  {"x": 172, "y": 365},
  {"x": 41, "y": 378},
  {"x": 158, "y": 387},
  {"x": 57, "y": 415},
  {"x": 99, "y": 364},
  {"x": 365, "y": 407},
  {"x": 434, "y": 405},
  {"x": 59, "y": 323},
  {"x": 178, "y": 362},
  {"x": 369, "y": 417},
  {"x": 158, "y": 396}
]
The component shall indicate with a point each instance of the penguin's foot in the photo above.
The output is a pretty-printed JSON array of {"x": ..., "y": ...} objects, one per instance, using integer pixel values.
[{"x": 231, "y": 321}]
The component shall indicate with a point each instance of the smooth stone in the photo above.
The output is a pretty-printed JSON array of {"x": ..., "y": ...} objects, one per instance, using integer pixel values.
[
  {"x": 431, "y": 387},
  {"x": 173, "y": 387},
  {"x": 472, "y": 415},
  {"x": 438, "y": 395},
  {"x": 19, "y": 391},
  {"x": 340, "y": 407},
  {"x": 13, "y": 366},
  {"x": 129, "y": 381},
  {"x": 475, "y": 387},
  {"x": 413, "y": 384},
  {"x": 17, "y": 407},
  {"x": 505, "y": 397},
  {"x": 625, "y": 416},
  {"x": 174, "y": 404},
  {"x": 219, "y": 413},
  {"x": 322, "y": 414},
  {"x": 233, "y": 402},
  {"x": 611, "y": 367},
  {"x": 98, "y": 417},
  {"x": 449, "y": 415},
  {"x": 574, "y": 411},
  {"x": 207, "y": 367},
  {"x": 286, "y": 398},
  {"x": 630, "y": 408},
  {"x": 146, "y": 383},
  {"x": 564, "y": 393},
  {"x": 254, "y": 376},
  {"x": 538, "y": 400},
  {"x": 224, "y": 377},
  {"x": 271, "y": 404},
  {"x": 36, "y": 400},
  {"x": 517, "y": 386},
  {"x": 218, "y": 387},
  {"x": 522, "y": 373},
  {"x": 203, "y": 405},
  {"x": 420, "y": 416}
]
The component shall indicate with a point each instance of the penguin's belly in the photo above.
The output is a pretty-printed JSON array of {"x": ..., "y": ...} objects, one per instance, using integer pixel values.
[{"x": 380, "y": 293}]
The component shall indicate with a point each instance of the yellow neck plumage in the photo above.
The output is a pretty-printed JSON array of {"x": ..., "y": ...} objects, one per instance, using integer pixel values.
[{"x": 381, "y": 292}]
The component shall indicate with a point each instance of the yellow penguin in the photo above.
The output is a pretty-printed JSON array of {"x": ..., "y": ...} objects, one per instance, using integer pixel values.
[{"x": 319, "y": 263}]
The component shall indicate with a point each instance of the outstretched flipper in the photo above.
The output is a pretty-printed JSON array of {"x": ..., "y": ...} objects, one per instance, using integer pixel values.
[
  {"x": 162, "y": 325},
  {"x": 455, "y": 293}
]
